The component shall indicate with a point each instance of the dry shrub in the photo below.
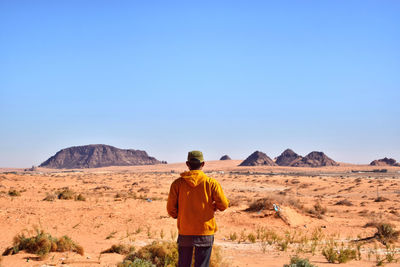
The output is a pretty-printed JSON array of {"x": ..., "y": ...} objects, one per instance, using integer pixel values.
[
  {"x": 66, "y": 194},
  {"x": 261, "y": 204},
  {"x": 42, "y": 244},
  {"x": 14, "y": 193},
  {"x": 335, "y": 254},
  {"x": 136, "y": 263},
  {"x": 318, "y": 210},
  {"x": 381, "y": 199},
  {"x": 120, "y": 249},
  {"x": 50, "y": 197},
  {"x": 80, "y": 197},
  {"x": 267, "y": 203},
  {"x": 344, "y": 202},
  {"x": 159, "y": 253},
  {"x": 165, "y": 254},
  {"x": 386, "y": 233}
]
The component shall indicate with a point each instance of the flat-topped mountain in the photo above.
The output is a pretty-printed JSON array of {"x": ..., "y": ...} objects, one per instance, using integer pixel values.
[
  {"x": 258, "y": 158},
  {"x": 94, "y": 156},
  {"x": 287, "y": 158},
  {"x": 384, "y": 162},
  {"x": 315, "y": 159}
]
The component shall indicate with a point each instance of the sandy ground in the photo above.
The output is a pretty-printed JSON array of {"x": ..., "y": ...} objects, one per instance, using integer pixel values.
[{"x": 127, "y": 205}]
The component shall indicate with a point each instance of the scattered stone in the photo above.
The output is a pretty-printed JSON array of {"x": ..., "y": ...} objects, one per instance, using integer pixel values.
[{"x": 258, "y": 159}]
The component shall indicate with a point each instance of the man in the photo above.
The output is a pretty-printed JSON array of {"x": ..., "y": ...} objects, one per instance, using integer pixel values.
[{"x": 193, "y": 198}]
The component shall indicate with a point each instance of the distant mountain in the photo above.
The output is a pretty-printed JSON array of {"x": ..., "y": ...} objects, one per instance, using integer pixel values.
[
  {"x": 384, "y": 162},
  {"x": 257, "y": 159},
  {"x": 225, "y": 157},
  {"x": 94, "y": 156},
  {"x": 315, "y": 159},
  {"x": 287, "y": 158}
]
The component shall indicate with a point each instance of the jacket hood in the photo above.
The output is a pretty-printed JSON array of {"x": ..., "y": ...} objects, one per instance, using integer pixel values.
[{"x": 193, "y": 178}]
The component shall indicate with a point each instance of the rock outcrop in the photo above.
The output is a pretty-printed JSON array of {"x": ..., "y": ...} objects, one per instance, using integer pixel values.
[
  {"x": 225, "y": 157},
  {"x": 384, "y": 162},
  {"x": 288, "y": 158},
  {"x": 94, "y": 156},
  {"x": 315, "y": 159},
  {"x": 257, "y": 159}
]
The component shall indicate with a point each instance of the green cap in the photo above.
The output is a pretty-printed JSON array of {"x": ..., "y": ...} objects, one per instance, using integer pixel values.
[{"x": 195, "y": 155}]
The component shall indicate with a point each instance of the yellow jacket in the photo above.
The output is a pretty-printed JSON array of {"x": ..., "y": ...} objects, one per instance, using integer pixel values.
[{"x": 192, "y": 199}]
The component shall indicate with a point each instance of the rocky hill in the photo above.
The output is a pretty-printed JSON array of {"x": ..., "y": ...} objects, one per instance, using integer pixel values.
[
  {"x": 315, "y": 159},
  {"x": 384, "y": 162},
  {"x": 257, "y": 159},
  {"x": 94, "y": 156},
  {"x": 225, "y": 157},
  {"x": 287, "y": 158}
]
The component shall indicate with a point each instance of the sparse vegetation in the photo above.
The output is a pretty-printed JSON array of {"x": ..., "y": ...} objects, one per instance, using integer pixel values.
[
  {"x": 344, "y": 202},
  {"x": 80, "y": 197},
  {"x": 298, "y": 262},
  {"x": 66, "y": 194},
  {"x": 136, "y": 263},
  {"x": 318, "y": 210},
  {"x": 120, "y": 249},
  {"x": 14, "y": 193},
  {"x": 165, "y": 254},
  {"x": 386, "y": 233},
  {"x": 42, "y": 244},
  {"x": 335, "y": 254},
  {"x": 50, "y": 197}
]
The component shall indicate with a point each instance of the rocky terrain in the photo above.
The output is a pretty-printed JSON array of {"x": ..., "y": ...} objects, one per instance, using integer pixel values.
[
  {"x": 315, "y": 159},
  {"x": 287, "y": 158},
  {"x": 225, "y": 157},
  {"x": 258, "y": 158},
  {"x": 95, "y": 156},
  {"x": 384, "y": 162}
]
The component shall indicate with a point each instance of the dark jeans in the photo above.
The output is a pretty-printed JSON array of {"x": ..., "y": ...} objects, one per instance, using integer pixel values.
[{"x": 201, "y": 256}]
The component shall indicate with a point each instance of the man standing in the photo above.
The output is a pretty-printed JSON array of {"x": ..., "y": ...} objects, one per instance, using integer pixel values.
[{"x": 193, "y": 198}]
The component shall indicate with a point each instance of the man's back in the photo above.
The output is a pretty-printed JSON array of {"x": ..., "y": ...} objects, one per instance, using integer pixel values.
[{"x": 192, "y": 200}]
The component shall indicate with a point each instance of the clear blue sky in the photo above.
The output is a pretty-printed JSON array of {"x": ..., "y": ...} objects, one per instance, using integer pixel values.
[{"x": 225, "y": 77}]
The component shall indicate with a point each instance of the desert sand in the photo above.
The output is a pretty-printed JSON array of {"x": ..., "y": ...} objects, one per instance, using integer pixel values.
[{"x": 127, "y": 205}]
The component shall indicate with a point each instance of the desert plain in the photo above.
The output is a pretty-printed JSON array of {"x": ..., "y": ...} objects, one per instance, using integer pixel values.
[{"x": 127, "y": 205}]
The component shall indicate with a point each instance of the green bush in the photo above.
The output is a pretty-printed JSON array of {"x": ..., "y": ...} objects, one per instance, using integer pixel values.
[
  {"x": 136, "y": 263},
  {"x": 333, "y": 254},
  {"x": 299, "y": 262}
]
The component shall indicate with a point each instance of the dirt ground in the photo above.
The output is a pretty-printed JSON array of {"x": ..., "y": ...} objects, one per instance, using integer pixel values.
[{"x": 127, "y": 205}]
